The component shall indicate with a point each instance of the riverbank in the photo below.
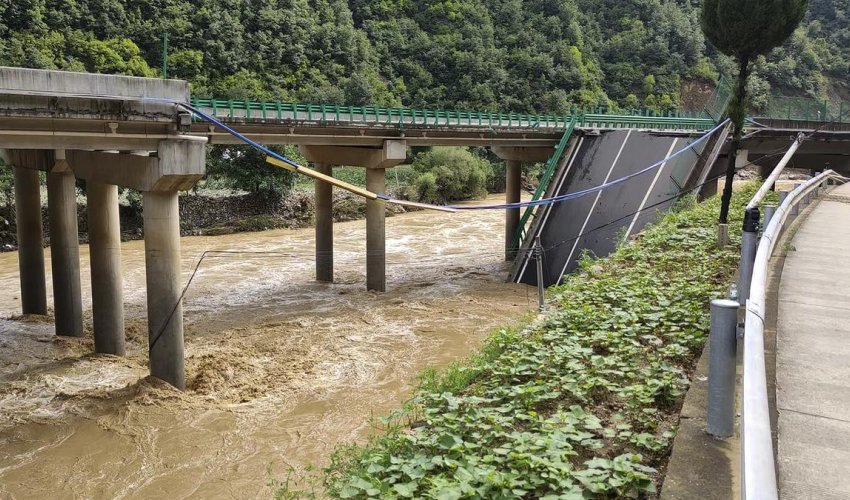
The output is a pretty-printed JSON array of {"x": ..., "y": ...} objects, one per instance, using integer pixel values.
[{"x": 584, "y": 401}]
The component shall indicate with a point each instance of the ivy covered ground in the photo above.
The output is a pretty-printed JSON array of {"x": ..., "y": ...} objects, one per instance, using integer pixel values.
[{"x": 583, "y": 403}]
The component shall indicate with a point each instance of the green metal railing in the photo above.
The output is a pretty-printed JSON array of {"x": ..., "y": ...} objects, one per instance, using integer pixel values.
[
  {"x": 236, "y": 110},
  {"x": 719, "y": 100},
  {"x": 545, "y": 180},
  {"x": 805, "y": 109}
]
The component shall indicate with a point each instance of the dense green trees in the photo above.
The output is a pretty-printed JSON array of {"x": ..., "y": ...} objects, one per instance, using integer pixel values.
[{"x": 508, "y": 55}]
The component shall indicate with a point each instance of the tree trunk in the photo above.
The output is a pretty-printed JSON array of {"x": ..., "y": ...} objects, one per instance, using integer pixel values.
[{"x": 738, "y": 113}]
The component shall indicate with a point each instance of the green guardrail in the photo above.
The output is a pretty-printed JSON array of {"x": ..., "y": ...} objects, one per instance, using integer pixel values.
[
  {"x": 545, "y": 180},
  {"x": 598, "y": 117},
  {"x": 805, "y": 109},
  {"x": 719, "y": 100}
]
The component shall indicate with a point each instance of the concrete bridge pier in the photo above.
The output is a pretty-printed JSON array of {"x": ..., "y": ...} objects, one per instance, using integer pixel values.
[
  {"x": 106, "y": 281},
  {"x": 162, "y": 268},
  {"x": 64, "y": 248},
  {"x": 375, "y": 161},
  {"x": 513, "y": 194},
  {"x": 514, "y": 158},
  {"x": 30, "y": 231},
  {"x": 324, "y": 227},
  {"x": 177, "y": 165},
  {"x": 376, "y": 237}
]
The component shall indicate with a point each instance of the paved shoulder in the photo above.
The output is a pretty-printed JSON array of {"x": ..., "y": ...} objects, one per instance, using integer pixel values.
[{"x": 813, "y": 355}]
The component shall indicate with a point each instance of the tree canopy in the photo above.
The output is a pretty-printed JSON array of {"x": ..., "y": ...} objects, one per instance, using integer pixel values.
[
  {"x": 748, "y": 28},
  {"x": 745, "y": 29},
  {"x": 507, "y": 55}
]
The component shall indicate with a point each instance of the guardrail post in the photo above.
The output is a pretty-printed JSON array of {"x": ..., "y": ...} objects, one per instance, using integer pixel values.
[
  {"x": 749, "y": 243},
  {"x": 769, "y": 212},
  {"x": 795, "y": 209},
  {"x": 723, "y": 346},
  {"x": 783, "y": 195}
]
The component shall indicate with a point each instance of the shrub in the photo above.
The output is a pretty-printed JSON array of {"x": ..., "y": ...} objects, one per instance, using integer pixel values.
[{"x": 447, "y": 174}]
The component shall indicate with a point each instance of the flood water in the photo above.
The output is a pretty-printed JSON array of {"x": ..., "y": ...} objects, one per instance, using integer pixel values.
[{"x": 280, "y": 369}]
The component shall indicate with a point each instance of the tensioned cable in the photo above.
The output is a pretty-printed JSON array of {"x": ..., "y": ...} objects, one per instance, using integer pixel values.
[{"x": 508, "y": 206}]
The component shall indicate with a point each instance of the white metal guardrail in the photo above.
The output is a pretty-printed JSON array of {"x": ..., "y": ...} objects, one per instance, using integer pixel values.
[{"x": 758, "y": 466}]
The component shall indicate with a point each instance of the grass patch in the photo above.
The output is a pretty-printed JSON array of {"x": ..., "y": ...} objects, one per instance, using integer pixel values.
[{"x": 583, "y": 403}]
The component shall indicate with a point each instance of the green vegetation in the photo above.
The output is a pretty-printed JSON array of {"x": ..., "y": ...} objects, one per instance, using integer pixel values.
[
  {"x": 245, "y": 168},
  {"x": 582, "y": 403},
  {"x": 448, "y": 174},
  {"x": 535, "y": 55},
  {"x": 744, "y": 30}
]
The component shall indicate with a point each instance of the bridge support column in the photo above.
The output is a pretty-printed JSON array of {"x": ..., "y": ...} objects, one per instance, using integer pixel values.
[
  {"x": 514, "y": 158},
  {"x": 376, "y": 259},
  {"x": 65, "y": 250},
  {"x": 106, "y": 282},
  {"x": 162, "y": 267},
  {"x": 513, "y": 193},
  {"x": 375, "y": 161},
  {"x": 30, "y": 241},
  {"x": 324, "y": 227}
]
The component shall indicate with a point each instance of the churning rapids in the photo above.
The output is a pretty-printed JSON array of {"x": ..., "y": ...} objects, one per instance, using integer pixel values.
[{"x": 280, "y": 369}]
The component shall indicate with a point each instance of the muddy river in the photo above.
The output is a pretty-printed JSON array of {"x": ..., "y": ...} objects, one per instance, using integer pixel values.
[{"x": 280, "y": 369}]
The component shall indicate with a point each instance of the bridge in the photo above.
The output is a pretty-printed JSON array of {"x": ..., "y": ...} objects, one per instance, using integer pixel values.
[{"x": 145, "y": 135}]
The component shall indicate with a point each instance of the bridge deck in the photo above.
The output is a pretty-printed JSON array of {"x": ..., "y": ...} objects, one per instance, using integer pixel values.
[{"x": 813, "y": 356}]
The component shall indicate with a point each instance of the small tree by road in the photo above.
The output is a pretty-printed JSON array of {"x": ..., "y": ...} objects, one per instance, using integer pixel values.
[{"x": 745, "y": 29}]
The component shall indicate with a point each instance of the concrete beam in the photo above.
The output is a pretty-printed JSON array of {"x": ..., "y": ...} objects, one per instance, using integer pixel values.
[
  {"x": 30, "y": 241},
  {"x": 162, "y": 269},
  {"x": 66, "y": 83},
  {"x": 376, "y": 237},
  {"x": 324, "y": 227},
  {"x": 523, "y": 154},
  {"x": 178, "y": 165},
  {"x": 391, "y": 154},
  {"x": 64, "y": 249},
  {"x": 513, "y": 193},
  {"x": 106, "y": 282},
  {"x": 68, "y": 95}
]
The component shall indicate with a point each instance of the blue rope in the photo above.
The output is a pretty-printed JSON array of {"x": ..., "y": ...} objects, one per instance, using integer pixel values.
[{"x": 507, "y": 206}]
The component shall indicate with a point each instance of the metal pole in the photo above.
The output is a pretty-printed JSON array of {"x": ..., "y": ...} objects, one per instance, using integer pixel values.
[
  {"x": 541, "y": 289},
  {"x": 773, "y": 177},
  {"x": 723, "y": 345},
  {"x": 165, "y": 56},
  {"x": 783, "y": 195},
  {"x": 769, "y": 212},
  {"x": 749, "y": 244}
]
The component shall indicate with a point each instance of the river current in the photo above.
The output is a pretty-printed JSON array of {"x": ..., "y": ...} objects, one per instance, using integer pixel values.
[{"x": 280, "y": 369}]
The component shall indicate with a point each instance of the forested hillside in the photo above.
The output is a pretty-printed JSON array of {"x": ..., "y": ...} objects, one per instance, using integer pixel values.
[{"x": 509, "y": 55}]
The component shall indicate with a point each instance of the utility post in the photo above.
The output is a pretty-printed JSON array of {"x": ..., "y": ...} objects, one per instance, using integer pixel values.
[{"x": 165, "y": 56}]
